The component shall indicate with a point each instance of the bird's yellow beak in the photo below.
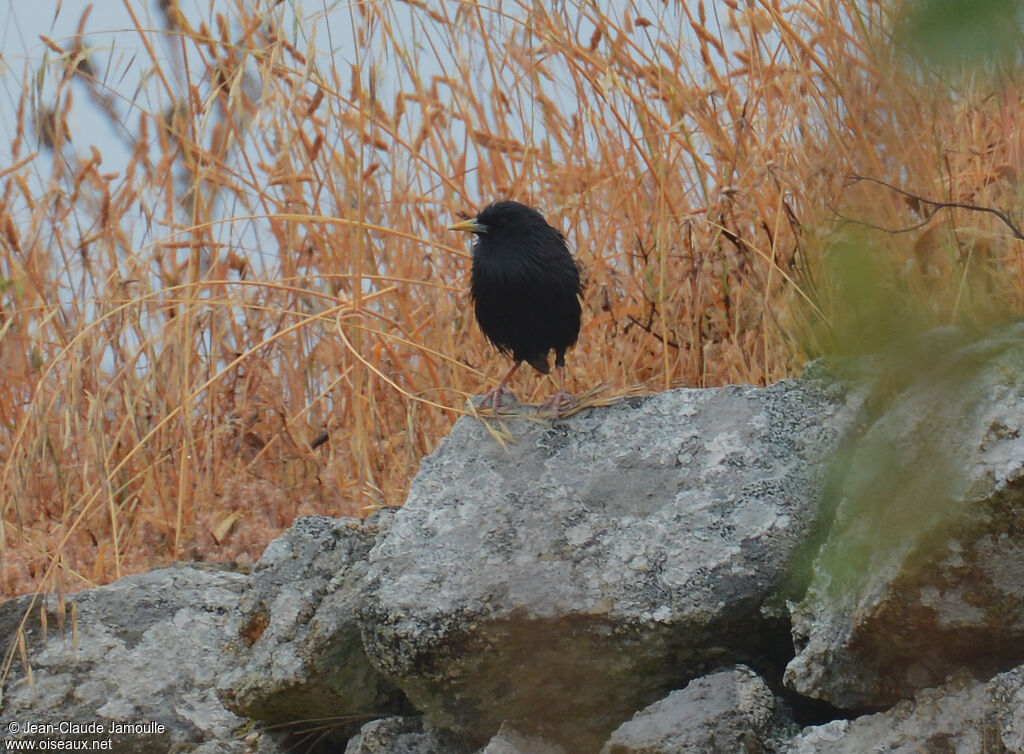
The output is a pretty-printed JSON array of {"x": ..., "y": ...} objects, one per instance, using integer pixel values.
[{"x": 469, "y": 226}]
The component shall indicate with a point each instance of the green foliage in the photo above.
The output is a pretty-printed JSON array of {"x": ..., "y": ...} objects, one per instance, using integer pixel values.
[
  {"x": 867, "y": 308},
  {"x": 960, "y": 32}
]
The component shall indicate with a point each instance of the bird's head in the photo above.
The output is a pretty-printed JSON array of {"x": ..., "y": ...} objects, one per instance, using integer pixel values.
[{"x": 502, "y": 218}]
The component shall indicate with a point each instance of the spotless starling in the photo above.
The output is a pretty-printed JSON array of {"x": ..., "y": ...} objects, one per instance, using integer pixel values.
[{"x": 525, "y": 287}]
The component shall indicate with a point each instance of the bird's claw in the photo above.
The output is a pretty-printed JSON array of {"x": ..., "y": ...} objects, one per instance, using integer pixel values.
[
  {"x": 495, "y": 395},
  {"x": 556, "y": 401}
]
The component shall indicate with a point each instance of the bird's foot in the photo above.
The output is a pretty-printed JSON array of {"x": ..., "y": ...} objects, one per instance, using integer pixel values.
[
  {"x": 557, "y": 401},
  {"x": 495, "y": 397}
]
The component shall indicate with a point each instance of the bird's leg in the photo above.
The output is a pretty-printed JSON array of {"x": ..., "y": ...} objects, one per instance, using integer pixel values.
[
  {"x": 563, "y": 396},
  {"x": 494, "y": 395}
]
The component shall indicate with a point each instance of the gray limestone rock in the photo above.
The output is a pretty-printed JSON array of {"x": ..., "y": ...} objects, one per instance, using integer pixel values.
[
  {"x": 1004, "y": 718},
  {"x": 144, "y": 651},
  {"x": 963, "y": 716},
  {"x": 728, "y": 712},
  {"x": 404, "y": 735},
  {"x": 509, "y": 740},
  {"x": 567, "y": 575},
  {"x": 922, "y": 573},
  {"x": 298, "y": 648}
]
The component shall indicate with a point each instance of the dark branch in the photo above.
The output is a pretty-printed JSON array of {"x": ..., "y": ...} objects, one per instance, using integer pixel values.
[
  {"x": 649, "y": 327},
  {"x": 934, "y": 208}
]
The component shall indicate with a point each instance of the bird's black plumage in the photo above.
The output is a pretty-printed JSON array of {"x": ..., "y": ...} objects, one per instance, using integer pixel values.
[{"x": 525, "y": 286}]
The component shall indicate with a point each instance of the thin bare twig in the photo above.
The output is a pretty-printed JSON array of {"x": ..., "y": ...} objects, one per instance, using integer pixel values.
[{"x": 935, "y": 207}]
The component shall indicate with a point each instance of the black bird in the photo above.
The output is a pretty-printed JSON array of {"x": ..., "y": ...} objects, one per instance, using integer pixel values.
[{"x": 525, "y": 287}]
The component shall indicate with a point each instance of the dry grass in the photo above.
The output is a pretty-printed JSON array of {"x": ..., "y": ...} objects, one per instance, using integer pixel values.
[{"x": 272, "y": 260}]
